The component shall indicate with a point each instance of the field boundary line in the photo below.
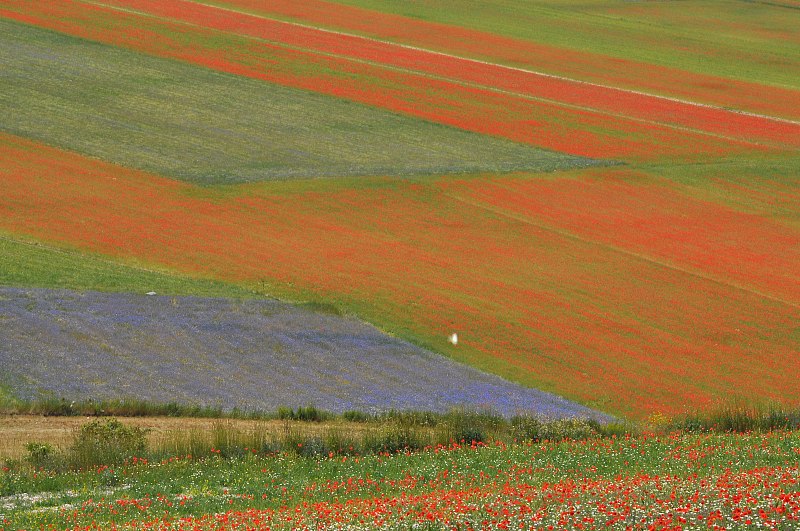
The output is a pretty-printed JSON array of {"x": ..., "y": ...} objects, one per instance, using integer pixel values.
[
  {"x": 463, "y": 83},
  {"x": 571, "y": 235},
  {"x": 498, "y": 65}
]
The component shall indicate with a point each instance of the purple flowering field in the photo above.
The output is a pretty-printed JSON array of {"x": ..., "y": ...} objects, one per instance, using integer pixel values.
[{"x": 250, "y": 354}]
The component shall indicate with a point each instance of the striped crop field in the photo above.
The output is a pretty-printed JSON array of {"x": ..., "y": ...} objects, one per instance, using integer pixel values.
[
  {"x": 602, "y": 200},
  {"x": 238, "y": 43},
  {"x": 195, "y": 124},
  {"x": 724, "y": 52},
  {"x": 468, "y": 71}
]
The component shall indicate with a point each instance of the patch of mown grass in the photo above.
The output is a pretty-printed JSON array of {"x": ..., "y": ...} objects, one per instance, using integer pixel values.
[{"x": 32, "y": 264}]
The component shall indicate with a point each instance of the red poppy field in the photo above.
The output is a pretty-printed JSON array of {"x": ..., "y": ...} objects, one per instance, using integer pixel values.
[
  {"x": 665, "y": 280},
  {"x": 584, "y": 120},
  {"x": 658, "y": 483},
  {"x": 539, "y": 296}
]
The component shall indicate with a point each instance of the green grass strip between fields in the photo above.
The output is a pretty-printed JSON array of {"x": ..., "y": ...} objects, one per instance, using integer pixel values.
[{"x": 30, "y": 264}]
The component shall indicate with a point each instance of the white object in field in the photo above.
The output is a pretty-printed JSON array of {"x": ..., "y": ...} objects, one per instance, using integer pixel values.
[
  {"x": 150, "y": 293},
  {"x": 453, "y": 338}
]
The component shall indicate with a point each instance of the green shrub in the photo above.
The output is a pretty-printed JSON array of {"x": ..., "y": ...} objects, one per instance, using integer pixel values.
[
  {"x": 106, "y": 442},
  {"x": 39, "y": 454},
  {"x": 526, "y": 428},
  {"x": 469, "y": 427},
  {"x": 356, "y": 416},
  {"x": 310, "y": 414},
  {"x": 393, "y": 439},
  {"x": 564, "y": 429},
  {"x": 305, "y": 414}
]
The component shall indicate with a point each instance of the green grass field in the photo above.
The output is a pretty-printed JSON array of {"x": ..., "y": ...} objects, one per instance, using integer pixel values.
[
  {"x": 27, "y": 263},
  {"x": 207, "y": 127}
]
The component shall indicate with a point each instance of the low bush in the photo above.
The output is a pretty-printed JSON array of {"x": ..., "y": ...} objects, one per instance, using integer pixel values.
[
  {"x": 40, "y": 455},
  {"x": 356, "y": 416},
  {"x": 468, "y": 427},
  {"x": 305, "y": 414},
  {"x": 106, "y": 442},
  {"x": 393, "y": 439},
  {"x": 534, "y": 429}
]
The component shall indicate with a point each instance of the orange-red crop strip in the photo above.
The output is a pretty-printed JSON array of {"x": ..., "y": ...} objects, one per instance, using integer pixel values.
[
  {"x": 551, "y": 125},
  {"x": 588, "y": 66},
  {"x": 613, "y": 100},
  {"x": 640, "y": 214},
  {"x": 546, "y": 309}
]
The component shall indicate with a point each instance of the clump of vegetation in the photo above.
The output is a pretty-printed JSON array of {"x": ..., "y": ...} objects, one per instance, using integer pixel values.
[
  {"x": 305, "y": 414},
  {"x": 394, "y": 438},
  {"x": 356, "y": 416},
  {"x": 471, "y": 427},
  {"x": 40, "y": 455},
  {"x": 60, "y": 407},
  {"x": 738, "y": 418},
  {"x": 106, "y": 442}
]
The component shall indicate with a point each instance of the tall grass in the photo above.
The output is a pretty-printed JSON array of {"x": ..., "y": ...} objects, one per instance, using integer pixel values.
[
  {"x": 110, "y": 442},
  {"x": 7, "y": 400},
  {"x": 738, "y": 418},
  {"x": 107, "y": 441},
  {"x": 60, "y": 407}
]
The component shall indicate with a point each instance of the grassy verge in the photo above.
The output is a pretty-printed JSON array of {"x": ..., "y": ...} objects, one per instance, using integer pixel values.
[
  {"x": 352, "y": 433},
  {"x": 109, "y": 441},
  {"x": 26, "y": 263}
]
